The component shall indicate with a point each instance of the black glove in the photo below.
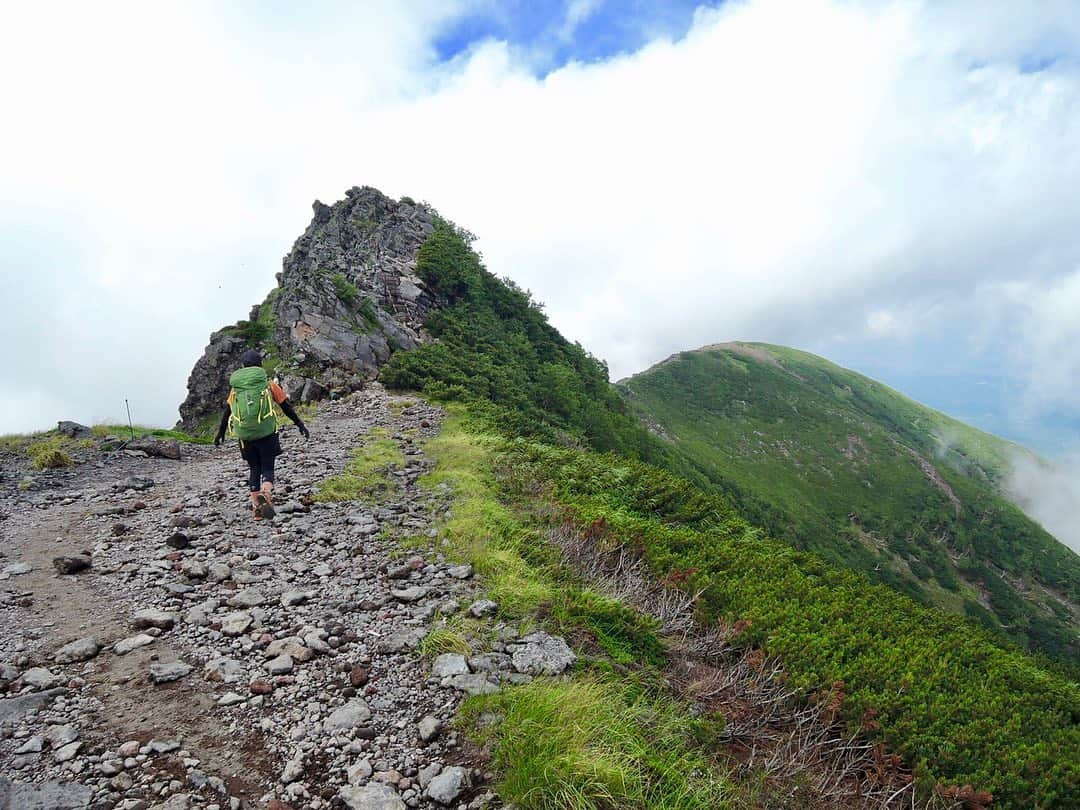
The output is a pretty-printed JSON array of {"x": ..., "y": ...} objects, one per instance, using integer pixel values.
[
  {"x": 218, "y": 440},
  {"x": 304, "y": 431}
]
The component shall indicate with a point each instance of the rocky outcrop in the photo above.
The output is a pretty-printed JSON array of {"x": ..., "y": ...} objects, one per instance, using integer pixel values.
[{"x": 347, "y": 298}]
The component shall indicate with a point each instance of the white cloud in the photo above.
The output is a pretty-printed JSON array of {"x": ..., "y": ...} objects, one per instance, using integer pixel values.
[
  {"x": 800, "y": 173},
  {"x": 1050, "y": 494}
]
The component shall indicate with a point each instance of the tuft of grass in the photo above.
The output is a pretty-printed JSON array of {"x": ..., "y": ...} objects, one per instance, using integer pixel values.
[
  {"x": 366, "y": 475},
  {"x": 49, "y": 454},
  {"x": 593, "y": 743},
  {"x": 444, "y": 640}
]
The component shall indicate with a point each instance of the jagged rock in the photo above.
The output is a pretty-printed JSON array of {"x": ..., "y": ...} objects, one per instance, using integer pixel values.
[
  {"x": 66, "y": 753},
  {"x": 366, "y": 240},
  {"x": 234, "y": 624},
  {"x": 429, "y": 728},
  {"x": 81, "y": 650},
  {"x": 371, "y": 797},
  {"x": 73, "y": 430},
  {"x": 448, "y": 785},
  {"x": 483, "y": 607},
  {"x": 59, "y": 736},
  {"x": 73, "y": 564},
  {"x": 291, "y": 646},
  {"x": 542, "y": 654}
]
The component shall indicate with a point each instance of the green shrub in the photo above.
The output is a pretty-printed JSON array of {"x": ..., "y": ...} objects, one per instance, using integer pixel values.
[{"x": 346, "y": 291}]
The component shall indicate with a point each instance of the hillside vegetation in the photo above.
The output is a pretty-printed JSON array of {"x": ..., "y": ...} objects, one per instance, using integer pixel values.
[
  {"x": 838, "y": 464},
  {"x": 939, "y": 689}
]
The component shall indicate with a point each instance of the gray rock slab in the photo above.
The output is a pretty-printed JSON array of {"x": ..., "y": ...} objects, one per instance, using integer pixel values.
[
  {"x": 124, "y": 646},
  {"x": 234, "y": 624},
  {"x": 448, "y": 785},
  {"x": 82, "y": 650},
  {"x": 371, "y": 797},
  {"x": 282, "y": 665},
  {"x": 413, "y": 593},
  {"x": 347, "y": 717},
  {"x": 41, "y": 678},
  {"x": 449, "y": 664},
  {"x": 46, "y": 796},
  {"x": 16, "y": 708},
  {"x": 166, "y": 673},
  {"x": 406, "y": 639},
  {"x": 477, "y": 684},
  {"x": 248, "y": 598}
]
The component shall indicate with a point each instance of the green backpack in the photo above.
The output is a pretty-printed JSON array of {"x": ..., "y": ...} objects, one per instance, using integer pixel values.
[{"x": 253, "y": 406}]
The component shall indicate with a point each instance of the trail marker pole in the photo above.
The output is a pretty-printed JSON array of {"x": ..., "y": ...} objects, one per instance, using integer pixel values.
[{"x": 130, "y": 426}]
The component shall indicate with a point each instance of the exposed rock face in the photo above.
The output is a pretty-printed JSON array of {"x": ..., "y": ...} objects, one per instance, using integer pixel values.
[{"x": 347, "y": 297}]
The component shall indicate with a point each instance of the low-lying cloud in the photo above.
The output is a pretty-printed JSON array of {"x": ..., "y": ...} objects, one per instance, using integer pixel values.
[{"x": 1049, "y": 493}]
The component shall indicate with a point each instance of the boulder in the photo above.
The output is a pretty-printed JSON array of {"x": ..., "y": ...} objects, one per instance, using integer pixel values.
[
  {"x": 158, "y": 448},
  {"x": 73, "y": 430}
]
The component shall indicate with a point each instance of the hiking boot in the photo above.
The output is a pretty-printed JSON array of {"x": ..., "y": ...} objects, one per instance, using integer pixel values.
[{"x": 265, "y": 508}]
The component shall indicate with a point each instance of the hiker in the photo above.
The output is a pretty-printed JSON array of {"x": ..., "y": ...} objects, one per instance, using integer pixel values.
[{"x": 249, "y": 415}]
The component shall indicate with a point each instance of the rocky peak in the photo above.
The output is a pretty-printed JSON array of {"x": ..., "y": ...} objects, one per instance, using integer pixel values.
[{"x": 347, "y": 297}]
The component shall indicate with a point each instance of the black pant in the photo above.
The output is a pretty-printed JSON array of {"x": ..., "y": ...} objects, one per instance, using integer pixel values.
[{"x": 260, "y": 455}]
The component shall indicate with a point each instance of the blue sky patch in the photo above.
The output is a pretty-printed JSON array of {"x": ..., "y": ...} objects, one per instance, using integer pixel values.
[{"x": 546, "y": 30}]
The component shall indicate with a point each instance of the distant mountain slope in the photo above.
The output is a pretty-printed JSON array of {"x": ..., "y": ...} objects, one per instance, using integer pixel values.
[{"x": 844, "y": 466}]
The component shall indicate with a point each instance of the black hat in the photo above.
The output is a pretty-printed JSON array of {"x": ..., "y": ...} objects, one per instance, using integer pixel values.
[{"x": 252, "y": 357}]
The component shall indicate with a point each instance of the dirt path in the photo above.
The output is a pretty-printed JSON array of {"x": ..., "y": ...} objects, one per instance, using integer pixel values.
[{"x": 300, "y": 634}]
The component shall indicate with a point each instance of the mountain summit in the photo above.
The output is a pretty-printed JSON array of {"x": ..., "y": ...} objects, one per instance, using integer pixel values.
[{"x": 347, "y": 297}]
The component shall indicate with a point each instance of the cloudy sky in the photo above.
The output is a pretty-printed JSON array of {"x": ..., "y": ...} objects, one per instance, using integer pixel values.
[{"x": 895, "y": 185}]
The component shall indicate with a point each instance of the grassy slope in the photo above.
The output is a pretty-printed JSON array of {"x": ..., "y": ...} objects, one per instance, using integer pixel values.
[
  {"x": 959, "y": 705},
  {"x": 836, "y": 463}
]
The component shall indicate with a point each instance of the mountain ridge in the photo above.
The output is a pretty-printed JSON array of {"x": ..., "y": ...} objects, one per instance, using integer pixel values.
[{"x": 818, "y": 453}]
